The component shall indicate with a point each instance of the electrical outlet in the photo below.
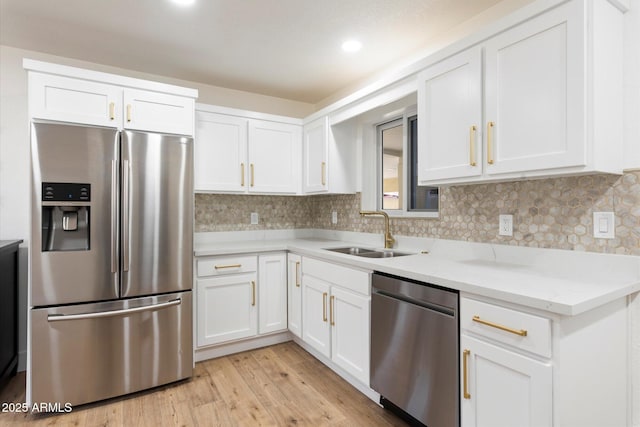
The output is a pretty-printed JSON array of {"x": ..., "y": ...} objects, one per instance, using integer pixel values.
[
  {"x": 334, "y": 217},
  {"x": 254, "y": 218},
  {"x": 506, "y": 225}
]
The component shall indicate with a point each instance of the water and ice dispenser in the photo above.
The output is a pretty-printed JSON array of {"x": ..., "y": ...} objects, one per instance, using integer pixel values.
[{"x": 66, "y": 209}]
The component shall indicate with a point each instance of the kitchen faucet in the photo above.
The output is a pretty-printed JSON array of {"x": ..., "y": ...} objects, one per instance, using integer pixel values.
[{"x": 388, "y": 238}]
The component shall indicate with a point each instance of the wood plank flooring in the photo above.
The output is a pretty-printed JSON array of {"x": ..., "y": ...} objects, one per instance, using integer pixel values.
[{"x": 281, "y": 385}]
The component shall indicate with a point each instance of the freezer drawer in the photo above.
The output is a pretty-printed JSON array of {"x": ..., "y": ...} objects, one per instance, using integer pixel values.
[{"x": 91, "y": 352}]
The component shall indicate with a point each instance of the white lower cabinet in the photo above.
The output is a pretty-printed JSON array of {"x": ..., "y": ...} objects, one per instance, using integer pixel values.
[
  {"x": 272, "y": 293},
  {"x": 240, "y": 297},
  {"x": 503, "y": 388},
  {"x": 335, "y": 315},
  {"x": 226, "y": 308},
  {"x": 524, "y": 367},
  {"x": 294, "y": 294}
]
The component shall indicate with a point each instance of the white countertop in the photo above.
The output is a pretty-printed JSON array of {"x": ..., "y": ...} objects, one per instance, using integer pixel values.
[{"x": 556, "y": 281}]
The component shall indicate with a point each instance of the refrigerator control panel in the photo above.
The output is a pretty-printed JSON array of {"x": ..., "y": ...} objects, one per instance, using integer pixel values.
[{"x": 65, "y": 192}]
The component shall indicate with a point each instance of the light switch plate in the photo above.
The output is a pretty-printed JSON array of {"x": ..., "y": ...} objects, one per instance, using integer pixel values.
[
  {"x": 505, "y": 225},
  {"x": 254, "y": 218},
  {"x": 334, "y": 217},
  {"x": 604, "y": 225}
]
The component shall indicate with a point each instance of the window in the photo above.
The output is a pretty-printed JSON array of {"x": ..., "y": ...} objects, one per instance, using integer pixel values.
[{"x": 398, "y": 151}]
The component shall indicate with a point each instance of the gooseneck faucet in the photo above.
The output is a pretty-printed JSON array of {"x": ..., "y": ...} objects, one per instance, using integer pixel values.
[{"x": 388, "y": 238}]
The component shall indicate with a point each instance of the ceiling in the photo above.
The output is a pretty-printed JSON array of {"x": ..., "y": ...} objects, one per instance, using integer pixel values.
[{"x": 284, "y": 48}]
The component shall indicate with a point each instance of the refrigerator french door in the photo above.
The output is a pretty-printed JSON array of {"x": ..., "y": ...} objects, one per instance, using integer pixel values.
[{"x": 111, "y": 262}]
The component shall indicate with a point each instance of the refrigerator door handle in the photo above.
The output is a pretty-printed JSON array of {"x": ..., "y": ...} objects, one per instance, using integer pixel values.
[
  {"x": 125, "y": 215},
  {"x": 113, "y": 313},
  {"x": 114, "y": 216}
]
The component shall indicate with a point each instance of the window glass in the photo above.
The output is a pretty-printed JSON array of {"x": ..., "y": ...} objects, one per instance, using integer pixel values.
[{"x": 399, "y": 187}]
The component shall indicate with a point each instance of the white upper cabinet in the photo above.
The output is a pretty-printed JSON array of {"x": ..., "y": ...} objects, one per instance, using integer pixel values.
[
  {"x": 66, "y": 99},
  {"x": 315, "y": 146},
  {"x": 237, "y": 152},
  {"x": 274, "y": 157},
  {"x": 534, "y": 94},
  {"x": 220, "y": 152},
  {"x": 74, "y": 95},
  {"x": 158, "y": 112},
  {"x": 450, "y": 112},
  {"x": 551, "y": 102}
]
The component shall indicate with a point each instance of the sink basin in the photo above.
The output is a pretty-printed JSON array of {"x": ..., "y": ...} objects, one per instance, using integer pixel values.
[
  {"x": 368, "y": 253},
  {"x": 384, "y": 254},
  {"x": 352, "y": 251}
]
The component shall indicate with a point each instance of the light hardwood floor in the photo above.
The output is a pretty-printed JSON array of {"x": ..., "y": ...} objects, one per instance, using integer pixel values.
[{"x": 281, "y": 385}]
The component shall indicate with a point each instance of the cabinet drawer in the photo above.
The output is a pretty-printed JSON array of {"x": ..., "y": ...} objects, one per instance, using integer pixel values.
[
  {"x": 348, "y": 278},
  {"x": 226, "y": 265},
  {"x": 521, "y": 330}
]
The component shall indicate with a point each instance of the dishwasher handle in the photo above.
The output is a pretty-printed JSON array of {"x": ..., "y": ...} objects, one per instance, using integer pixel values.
[{"x": 421, "y": 303}]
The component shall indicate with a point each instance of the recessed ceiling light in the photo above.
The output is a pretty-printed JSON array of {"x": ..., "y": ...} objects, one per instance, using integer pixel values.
[
  {"x": 184, "y": 2},
  {"x": 351, "y": 46}
]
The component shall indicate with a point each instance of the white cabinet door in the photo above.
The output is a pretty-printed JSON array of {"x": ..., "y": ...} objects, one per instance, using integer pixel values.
[
  {"x": 450, "y": 112},
  {"x": 66, "y": 99},
  {"x": 274, "y": 157},
  {"x": 226, "y": 308},
  {"x": 315, "y": 146},
  {"x": 534, "y": 94},
  {"x": 505, "y": 389},
  {"x": 220, "y": 152},
  {"x": 294, "y": 279},
  {"x": 158, "y": 112},
  {"x": 349, "y": 317},
  {"x": 272, "y": 293},
  {"x": 316, "y": 330}
]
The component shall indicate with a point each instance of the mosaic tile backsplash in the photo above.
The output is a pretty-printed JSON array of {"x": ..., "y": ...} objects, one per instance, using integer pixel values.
[{"x": 549, "y": 213}]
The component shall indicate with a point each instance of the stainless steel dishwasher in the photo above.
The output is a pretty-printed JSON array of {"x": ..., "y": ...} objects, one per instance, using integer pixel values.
[{"x": 414, "y": 349}]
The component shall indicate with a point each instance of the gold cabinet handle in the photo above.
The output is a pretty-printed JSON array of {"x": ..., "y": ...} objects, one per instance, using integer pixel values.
[
  {"x": 128, "y": 113},
  {"x": 324, "y": 306},
  {"x": 251, "y": 167},
  {"x": 490, "y": 126},
  {"x": 521, "y": 332},
  {"x": 297, "y": 274},
  {"x": 220, "y": 267},
  {"x": 112, "y": 110},
  {"x": 253, "y": 292},
  {"x": 472, "y": 146},
  {"x": 242, "y": 174},
  {"x": 331, "y": 312},
  {"x": 324, "y": 173},
  {"x": 465, "y": 374}
]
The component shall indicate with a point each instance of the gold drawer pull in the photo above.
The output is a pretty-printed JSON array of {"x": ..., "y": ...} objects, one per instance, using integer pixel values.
[
  {"x": 472, "y": 146},
  {"x": 465, "y": 374},
  {"x": 324, "y": 306},
  {"x": 128, "y": 113},
  {"x": 241, "y": 174},
  {"x": 252, "y": 174},
  {"x": 324, "y": 173},
  {"x": 219, "y": 267},
  {"x": 253, "y": 292},
  {"x": 521, "y": 332},
  {"x": 490, "y": 126},
  {"x": 112, "y": 111},
  {"x": 331, "y": 314},
  {"x": 297, "y": 274}
]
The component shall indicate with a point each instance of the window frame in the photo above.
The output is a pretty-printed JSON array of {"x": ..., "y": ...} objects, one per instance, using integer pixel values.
[{"x": 404, "y": 211}]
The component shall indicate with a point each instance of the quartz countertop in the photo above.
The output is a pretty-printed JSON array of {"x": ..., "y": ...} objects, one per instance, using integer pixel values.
[
  {"x": 8, "y": 243},
  {"x": 556, "y": 281}
]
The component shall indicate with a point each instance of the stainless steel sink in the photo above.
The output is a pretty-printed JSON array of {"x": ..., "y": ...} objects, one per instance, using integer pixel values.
[
  {"x": 352, "y": 250},
  {"x": 384, "y": 254},
  {"x": 368, "y": 253}
]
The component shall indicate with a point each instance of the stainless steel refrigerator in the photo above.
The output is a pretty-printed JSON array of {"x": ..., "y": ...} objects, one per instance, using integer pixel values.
[{"x": 110, "y": 262}]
